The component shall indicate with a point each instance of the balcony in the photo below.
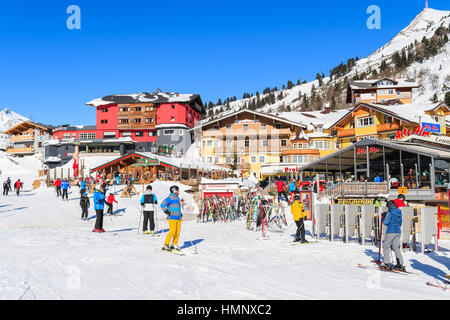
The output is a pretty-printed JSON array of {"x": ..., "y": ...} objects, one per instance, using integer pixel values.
[
  {"x": 388, "y": 127},
  {"x": 20, "y": 150},
  {"x": 346, "y": 133},
  {"x": 22, "y": 138}
]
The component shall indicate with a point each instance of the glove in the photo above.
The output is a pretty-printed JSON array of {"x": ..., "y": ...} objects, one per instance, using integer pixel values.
[{"x": 383, "y": 215}]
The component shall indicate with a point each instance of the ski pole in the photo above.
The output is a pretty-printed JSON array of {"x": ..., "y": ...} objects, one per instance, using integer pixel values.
[{"x": 381, "y": 235}]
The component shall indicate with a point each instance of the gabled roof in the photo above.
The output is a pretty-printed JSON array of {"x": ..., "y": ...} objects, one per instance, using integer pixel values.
[
  {"x": 372, "y": 84},
  {"x": 25, "y": 125},
  {"x": 145, "y": 97},
  {"x": 266, "y": 115},
  {"x": 405, "y": 112}
]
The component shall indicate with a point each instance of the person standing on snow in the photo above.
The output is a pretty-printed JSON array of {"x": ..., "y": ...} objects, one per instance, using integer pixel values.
[
  {"x": 393, "y": 220},
  {"x": 148, "y": 202},
  {"x": 172, "y": 207},
  {"x": 65, "y": 188},
  {"x": 99, "y": 200},
  {"x": 17, "y": 186},
  {"x": 109, "y": 202},
  {"x": 298, "y": 212},
  {"x": 83, "y": 186},
  {"x": 5, "y": 188},
  {"x": 58, "y": 187},
  {"x": 280, "y": 189},
  {"x": 85, "y": 204}
]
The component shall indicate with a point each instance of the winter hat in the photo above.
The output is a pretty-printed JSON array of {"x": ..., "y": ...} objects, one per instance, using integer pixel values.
[
  {"x": 391, "y": 204},
  {"x": 149, "y": 187}
]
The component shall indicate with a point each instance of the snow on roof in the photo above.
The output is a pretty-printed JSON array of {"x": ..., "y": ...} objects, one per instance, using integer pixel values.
[
  {"x": 184, "y": 162},
  {"x": 411, "y": 112},
  {"x": 315, "y": 118}
]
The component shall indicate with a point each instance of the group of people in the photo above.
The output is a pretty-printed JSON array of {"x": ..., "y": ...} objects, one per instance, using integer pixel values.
[{"x": 18, "y": 185}]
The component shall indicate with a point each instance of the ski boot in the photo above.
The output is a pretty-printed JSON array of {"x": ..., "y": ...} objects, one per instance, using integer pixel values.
[
  {"x": 399, "y": 267},
  {"x": 102, "y": 230},
  {"x": 176, "y": 248},
  {"x": 385, "y": 266},
  {"x": 145, "y": 232},
  {"x": 296, "y": 240},
  {"x": 96, "y": 230},
  {"x": 152, "y": 233},
  {"x": 166, "y": 248},
  {"x": 304, "y": 241}
]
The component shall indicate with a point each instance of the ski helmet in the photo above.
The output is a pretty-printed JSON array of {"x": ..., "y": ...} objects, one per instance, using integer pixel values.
[
  {"x": 391, "y": 204},
  {"x": 401, "y": 197},
  {"x": 174, "y": 188}
]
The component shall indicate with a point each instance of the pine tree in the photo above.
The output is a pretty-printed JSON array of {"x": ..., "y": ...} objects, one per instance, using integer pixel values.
[
  {"x": 435, "y": 98},
  {"x": 447, "y": 98}
]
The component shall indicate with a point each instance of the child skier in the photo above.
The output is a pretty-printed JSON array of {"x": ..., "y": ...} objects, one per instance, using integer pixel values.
[
  {"x": 393, "y": 220},
  {"x": 298, "y": 212},
  {"x": 109, "y": 202},
  {"x": 85, "y": 204},
  {"x": 148, "y": 202},
  {"x": 99, "y": 200},
  {"x": 58, "y": 187},
  {"x": 172, "y": 207}
]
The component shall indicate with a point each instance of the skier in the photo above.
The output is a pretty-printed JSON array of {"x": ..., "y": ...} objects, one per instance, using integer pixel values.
[
  {"x": 83, "y": 186},
  {"x": 85, "y": 204},
  {"x": 9, "y": 184},
  {"x": 172, "y": 207},
  {"x": 280, "y": 189},
  {"x": 17, "y": 186},
  {"x": 109, "y": 202},
  {"x": 393, "y": 220},
  {"x": 99, "y": 200},
  {"x": 400, "y": 201},
  {"x": 298, "y": 212},
  {"x": 292, "y": 187},
  {"x": 65, "y": 187},
  {"x": 58, "y": 187},
  {"x": 148, "y": 202},
  {"x": 5, "y": 188}
]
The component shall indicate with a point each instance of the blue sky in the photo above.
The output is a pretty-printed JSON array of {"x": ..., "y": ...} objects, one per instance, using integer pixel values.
[{"x": 218, "y": 48}]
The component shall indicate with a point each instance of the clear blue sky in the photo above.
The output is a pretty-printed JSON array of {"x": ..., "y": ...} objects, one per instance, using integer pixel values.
[{"x": 217, "y": 48}]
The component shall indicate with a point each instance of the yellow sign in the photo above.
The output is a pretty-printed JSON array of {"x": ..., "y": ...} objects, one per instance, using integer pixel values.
[
  {"x": 402, "y": 190},
  {"x": 356, "y": 201}
]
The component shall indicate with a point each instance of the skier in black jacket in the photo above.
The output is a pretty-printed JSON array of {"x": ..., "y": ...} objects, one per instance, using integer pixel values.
[
  {"x": 85, "y": 204},
  {"x": 5, "y": 188}
]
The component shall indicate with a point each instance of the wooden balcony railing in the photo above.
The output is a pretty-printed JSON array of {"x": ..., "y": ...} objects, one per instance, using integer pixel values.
[
  {"x": 346, "y": 133},
  {"x": 388, "y": 127},
  {"x": 19, "y": 150},
  {"x": 22, "y": 138}
]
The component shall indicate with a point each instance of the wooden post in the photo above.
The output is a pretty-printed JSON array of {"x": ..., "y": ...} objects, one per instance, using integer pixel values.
[
  {"x": 197, "y": 174},
  {"x": 54, "y": 174},
  {"x": 62, "y": 173}
]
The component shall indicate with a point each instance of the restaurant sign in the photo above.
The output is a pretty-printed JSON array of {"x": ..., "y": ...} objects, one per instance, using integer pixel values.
[
  {"x": 356, "y": 201},
  {"x": 431, "y": 127},
  {"x": 419, "y": 131}
]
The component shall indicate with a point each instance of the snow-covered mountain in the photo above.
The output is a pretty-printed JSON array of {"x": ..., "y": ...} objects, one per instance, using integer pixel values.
[
  {"x": 8, "y": 119},
  {"x": 433, "y": 74}
]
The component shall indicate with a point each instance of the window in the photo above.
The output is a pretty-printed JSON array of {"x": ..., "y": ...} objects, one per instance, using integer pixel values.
[
  {"x": 391, "y": 91},
  {"x": 287, "y": 159},
  {"x": 126, "y": 134},
  {"x": 103, "y": 121},
  {"x": 139, "y": 134},
  {"x": 373, "y": 94},
  {"x": 262, "y": 159},
  {"x": 169, "y": 132},
  {"x": 87, "y": 136},
  {"x": 247, "y": 142},
  {"x": 300, "y": 146},
  {"x": 245, "y": 127},
  {"x": 365, "y": 122},
  {"x": 173, "y": 107},
  {"x": 66, "y": 136},
  {"x": 124, "y": 121},
  {"x": 367, "y": 138},
  {"x": 74, "y": 135},
  {"x": 216, "y": 127},
  {"x": 265, "y": 143},
  {"x": 229, "y": 160},
  {"x": 138, "y": 109},
  {"x": 381, "y": 92},
  {"x": 209, "y": 143},
  {"x": 137, "y": 120},
  {"x": 387, "y": 119},
  {"x": 277, "y": 126},
  {"x": 203, "y": 145},
  {"x": 123, "y": 109},
  {"x": 229, "y": 143},
  {"x": 253, "y": 159},
  {"x": 263, "y": 126},
  {"x": 294, "y": 159},
  {"x": 180, "y": 132},
  {"x": 216, "y": 143},
  {"x": 439, "y": 120},
  {"x": 209, "y": 159},
  {"x": 172, "y": 118},
  {"x": 216, "y": 160},
  {"x": 228, "y": 127},
  {"x": 283, "y": 143},
  {"x": 148, "y": 120},
  {"x": 148, "y": 108},
  {"x": 109, "y": 135},
  {"x": 295, "y": 146},
  {"x": 104, "y": 110},
  {"x": 391, "y": 137}
]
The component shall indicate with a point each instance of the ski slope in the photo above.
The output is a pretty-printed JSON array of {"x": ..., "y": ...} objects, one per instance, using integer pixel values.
[{"x": 48, "y": 252}]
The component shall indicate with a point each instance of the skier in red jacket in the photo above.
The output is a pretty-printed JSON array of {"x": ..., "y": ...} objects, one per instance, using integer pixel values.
[
  {"x": 109, "y": 202},
  {"x": 58, "y": 187},
  {"x": 280, "y": 188}
]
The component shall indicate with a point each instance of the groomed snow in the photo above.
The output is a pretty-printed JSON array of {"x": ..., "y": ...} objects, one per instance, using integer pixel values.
[{"x": 49, "y": 253}]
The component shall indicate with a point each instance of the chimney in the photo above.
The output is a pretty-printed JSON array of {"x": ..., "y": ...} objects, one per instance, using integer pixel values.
[{"x": 177, "y": 94}]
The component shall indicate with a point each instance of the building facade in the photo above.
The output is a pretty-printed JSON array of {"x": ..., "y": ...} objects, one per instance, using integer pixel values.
[{"x": 28, "y": 138}]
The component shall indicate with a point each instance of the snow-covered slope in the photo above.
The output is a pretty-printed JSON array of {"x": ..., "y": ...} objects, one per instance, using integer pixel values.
[
  {"x": 48, "y": 252},
  {"x": 433, "y": 74},
  {"x": 8, "y": 119}
]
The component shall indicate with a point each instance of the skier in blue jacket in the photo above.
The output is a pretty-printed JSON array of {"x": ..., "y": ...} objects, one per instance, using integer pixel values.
[
  {"x": 393, "y": 220},
  {"x": 65, "y": 187},
  {"x": 82, "y": 186},
  {"x": 99, "y": 200}
]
